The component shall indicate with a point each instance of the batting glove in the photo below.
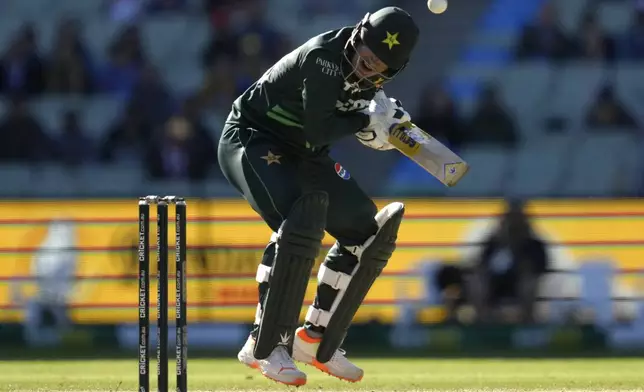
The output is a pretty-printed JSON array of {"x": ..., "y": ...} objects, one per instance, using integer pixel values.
[{"x": 383, "y": 113}]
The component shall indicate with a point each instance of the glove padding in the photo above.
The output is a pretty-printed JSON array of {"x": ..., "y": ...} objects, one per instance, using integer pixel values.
[{"x": 383, "y": 113}]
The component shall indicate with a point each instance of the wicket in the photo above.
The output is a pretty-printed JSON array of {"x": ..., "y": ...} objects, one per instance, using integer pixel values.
[{"x": 162, "y": 203}]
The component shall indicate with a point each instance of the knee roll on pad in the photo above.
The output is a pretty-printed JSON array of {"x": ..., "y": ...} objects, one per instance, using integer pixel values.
[
  {"x": 352, "y": 289},
  {"x": 299, "y": 240}
]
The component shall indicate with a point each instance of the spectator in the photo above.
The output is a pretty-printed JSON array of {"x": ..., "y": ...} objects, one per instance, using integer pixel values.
[
  {"x": 223, "y": 44},
  {"x": 544, "y": 39},
  {"x": 127, "y": 139},
  {"x": 608, "y": 111},
  {"x": 219, "y": 88},
  {"x": 185, "y": 150},
  {"x": 71, "y": 30},
  {"x": 129, "y": 41},
  {"x": 593, "y": 43},
  {"x": 191, "y": 110},
  {"x": 126, "y": 58},
  {"x": 257, "y": 36},
  {"x": 22, "y": 70},
  {"x": 249, "y": 36},
  {"x": 250, "y": 69},
  {"x": 439, "y": 117},
  {"x": 152, "y": 97},
  {"x": 119, "y": 75},
  {"x": 450, "y": 280},
  {"x": 633, "y": 40},
  {"x": 23, "y": 139},
  {"x": 70, "y": 70},
  {"x": 74, "y": 147},
  {"x": 509, "y": 267},
  {"x": 491, "y": 123}
]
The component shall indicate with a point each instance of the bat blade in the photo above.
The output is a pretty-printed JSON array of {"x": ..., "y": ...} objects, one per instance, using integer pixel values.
[{"x": 428, "y": 153}]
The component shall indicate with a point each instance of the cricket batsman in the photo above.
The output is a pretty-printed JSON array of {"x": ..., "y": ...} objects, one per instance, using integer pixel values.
[{"x": 275, "y": 151}]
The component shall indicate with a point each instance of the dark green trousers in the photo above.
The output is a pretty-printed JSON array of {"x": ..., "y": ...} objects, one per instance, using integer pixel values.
[{"x": 271, "y": 179}]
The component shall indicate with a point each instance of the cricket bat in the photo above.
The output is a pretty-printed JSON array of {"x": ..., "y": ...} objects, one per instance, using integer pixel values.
[{"x": 429, "y": 153}]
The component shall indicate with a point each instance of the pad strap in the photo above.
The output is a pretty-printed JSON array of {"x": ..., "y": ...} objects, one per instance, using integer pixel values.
[
  {"x": 338, "y": 281},
  {"x": 335, "y": 279},
  {"x": 263, "y": 273},
  {"x": 318, "y": 317}
]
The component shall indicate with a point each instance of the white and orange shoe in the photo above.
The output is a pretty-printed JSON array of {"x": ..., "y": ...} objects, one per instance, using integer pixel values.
[
  {"x": 279, "y": 366},
  {"x": 305, "y": 349}
]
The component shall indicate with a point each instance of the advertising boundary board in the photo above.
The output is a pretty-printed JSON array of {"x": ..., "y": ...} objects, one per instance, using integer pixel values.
[{"x": 226, "y": 238}]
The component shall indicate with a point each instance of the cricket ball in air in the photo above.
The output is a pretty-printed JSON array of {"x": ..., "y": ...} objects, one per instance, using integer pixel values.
[{"x": 437, "y": 6}]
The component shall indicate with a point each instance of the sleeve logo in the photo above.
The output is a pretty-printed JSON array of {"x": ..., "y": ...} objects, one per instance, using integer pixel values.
[{"x": 341, "y": 171}]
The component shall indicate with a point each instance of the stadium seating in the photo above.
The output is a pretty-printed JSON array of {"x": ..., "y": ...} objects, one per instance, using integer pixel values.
[
  {"x": 489, "y": 169},
  {"x": 533, "y": 92}
]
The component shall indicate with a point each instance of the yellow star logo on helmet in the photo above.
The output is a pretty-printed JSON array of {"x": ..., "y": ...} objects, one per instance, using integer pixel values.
[{"x": 391, "y": 40}]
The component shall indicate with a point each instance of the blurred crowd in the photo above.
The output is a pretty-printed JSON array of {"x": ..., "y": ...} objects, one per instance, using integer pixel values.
[
  {"x": 543, "y": 39},
  {"x": 162, "y": 126},
  {"x": 168, "y": 126},
  {"x": 491, "y": 123},
  {"x": 243, "y": 47},
  {"x": 546, "y": 39}
]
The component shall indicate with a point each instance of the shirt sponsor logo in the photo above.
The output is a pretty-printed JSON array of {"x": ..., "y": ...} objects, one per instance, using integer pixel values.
[{"x": 327, "y": 67}]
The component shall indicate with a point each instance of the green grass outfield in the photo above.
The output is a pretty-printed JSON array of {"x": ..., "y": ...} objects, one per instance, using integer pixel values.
[{"x": 381, "y": 375}]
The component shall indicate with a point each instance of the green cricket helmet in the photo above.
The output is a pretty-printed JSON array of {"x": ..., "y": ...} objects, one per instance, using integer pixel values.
[{"x": 391, "y": 34}]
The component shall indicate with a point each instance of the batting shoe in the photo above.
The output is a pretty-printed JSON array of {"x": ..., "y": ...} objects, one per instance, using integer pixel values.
[
  {"x": 305, "y": 349},
  {"x": 279, "y": 366}
]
